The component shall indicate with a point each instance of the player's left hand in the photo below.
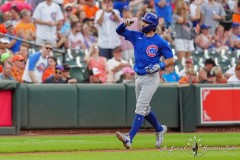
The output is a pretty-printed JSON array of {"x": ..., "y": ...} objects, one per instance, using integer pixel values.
[
  {"x": 155, "y": 67},
  {"x": 152, "y": 68}
]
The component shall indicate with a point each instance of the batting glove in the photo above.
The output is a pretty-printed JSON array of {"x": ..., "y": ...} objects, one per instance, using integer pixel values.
[
  {"x": 128, "y": 22},
  {"x": 152, "y": 68}
]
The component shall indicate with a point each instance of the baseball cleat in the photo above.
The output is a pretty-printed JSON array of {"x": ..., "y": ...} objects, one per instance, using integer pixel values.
[
  {"x": 124, "y": 139},
  {"x": 159, "y": 136}
]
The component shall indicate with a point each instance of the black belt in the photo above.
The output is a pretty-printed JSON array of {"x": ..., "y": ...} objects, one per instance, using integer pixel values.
[{"x": 140, "y": 74}]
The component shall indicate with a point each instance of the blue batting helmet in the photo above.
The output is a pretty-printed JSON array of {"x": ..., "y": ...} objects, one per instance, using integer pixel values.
[{"x": 152, "y": 20}]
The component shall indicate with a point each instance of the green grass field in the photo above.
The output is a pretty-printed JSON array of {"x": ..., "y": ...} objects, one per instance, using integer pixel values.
[{"x": 221, "y": 146}]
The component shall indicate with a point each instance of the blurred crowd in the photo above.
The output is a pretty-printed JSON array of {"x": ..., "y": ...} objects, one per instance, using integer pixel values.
[{"x": 88, "y": 27}]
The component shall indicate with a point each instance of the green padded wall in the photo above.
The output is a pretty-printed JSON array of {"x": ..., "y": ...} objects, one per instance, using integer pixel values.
[
  {"x": 130, "y": 104},
  {"x": 101, "y": 105},
  {"x": 188, "y": 109},
  {"x": 24, "y": 108},
  {"x": 52, "y": 106}
]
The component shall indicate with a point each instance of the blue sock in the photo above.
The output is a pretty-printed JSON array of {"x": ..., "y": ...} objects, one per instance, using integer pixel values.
[
  {"x": 137, "y": 123},
  {"x": 151, "y": 118}
]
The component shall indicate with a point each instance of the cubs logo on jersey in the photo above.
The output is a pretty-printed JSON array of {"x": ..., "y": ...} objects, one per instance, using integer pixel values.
[
  {"x": 41, "y": 67},
  {"x": 152, "y": 50}
]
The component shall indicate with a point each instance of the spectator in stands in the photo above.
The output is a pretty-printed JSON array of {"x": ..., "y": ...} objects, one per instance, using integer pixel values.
[
  {"x": 7, "y": 16},
  {"x": 219, "y": 77},
  {"x": 188, "y": 65},
  {"x": 107, "y": 20},
  {"x": 79, "y": 5},
  {"x": 4, "y": 43},
  {"x": 190, "y": 77},
  {"x": 212, "y": 14},
  {"x": 66, "y": 75},
  {"x": 184, "y": 30},
  {"x": 14, "y": 44},
  {"x": 163, "y": 32},
  {"x": 127, "y": 47},
  {"x": 231, "y": 71},
  {"x": 204, "y": 39},
  {"x": 164, "y": 10},
  {"x": 18, "y": 68},
  {"x": 36, "y": 64},
  {"x": 76, "y": 39},
  {"x": 116, "y": 64},
  {"x": 128, "y": 75},
  {"x": 66, "y": 26},
  {"x": 235, "y": 36},
  {"x": 90, "y": 8},
  {"x": 91, "y": 24},
  {"x": 170, "y": 75},
  {"x": 205, "y": 75},
  {"x": 161, "y": 72},
  {"x": 195, "y": 12},
  {"x": 23, "y": 51},
  {"x": 235, "y": 79},
  {"x": 136, "y": 5},
  {"x": 34, "y": 3},
  {"x": 81, "y": 15},
  {"x": 236, "y": 14},
  {"x": 56, "y": 77},
  {"x": 62, "y": 40},
  {"x": 6, "y": 67},
  {"x": 93, "y": 60},
  {"x": 220, "y": 39},
  {"x": 94, "y": 75},
  {"x": 88, "y": 38},
  {"x": 46, "y": 17},
  {"x": 25, "y": 28},
  {"x": 50, "y": 69},
  {"x": 4, "y": 58},
  {"x": 144, "y": 9},
  {"x": 15, "y": 14}
]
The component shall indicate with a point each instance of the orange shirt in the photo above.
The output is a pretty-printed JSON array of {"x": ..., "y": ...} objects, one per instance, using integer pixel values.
[
  {"x": 90, "y": 11},
  {"x": 48, "y": 72},
  {"x": 3, "y": 29},
  {"x": 26, "y": 28},
  {"x": 183, "y": 80},
  {"x": 236, "y": 18},
  {"x": 17, "y": 74}
]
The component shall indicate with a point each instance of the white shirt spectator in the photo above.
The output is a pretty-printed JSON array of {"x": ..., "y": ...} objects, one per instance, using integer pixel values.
[
  {"x": 37, "y": 64},
  {"x": 107, "y": 35},
  {"x": 51, "y": 13},
  {"x": 75, "y": 41},
  {"x": 182, "y": 73},
  {"x": 112, "y": 63},
  {"x": 233, "y": 80},
  {"x": 231, "y": 71}
]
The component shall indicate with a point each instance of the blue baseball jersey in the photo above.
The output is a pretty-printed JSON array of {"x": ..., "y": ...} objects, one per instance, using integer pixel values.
[{"x": 147, "y": 50}]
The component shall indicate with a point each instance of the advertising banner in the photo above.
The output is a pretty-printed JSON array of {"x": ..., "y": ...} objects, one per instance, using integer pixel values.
[{"x": 220, "y": 105}]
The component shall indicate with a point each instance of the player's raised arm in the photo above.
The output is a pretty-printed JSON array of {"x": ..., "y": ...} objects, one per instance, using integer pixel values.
[{"x": 122, "y": 27}]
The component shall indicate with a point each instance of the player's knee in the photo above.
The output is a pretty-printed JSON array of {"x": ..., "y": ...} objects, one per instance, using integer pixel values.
[{"x": 142, "y": 110}]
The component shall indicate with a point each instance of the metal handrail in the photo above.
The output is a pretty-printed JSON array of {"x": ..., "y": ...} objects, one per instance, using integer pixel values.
[{"x": 29, "y": 42}]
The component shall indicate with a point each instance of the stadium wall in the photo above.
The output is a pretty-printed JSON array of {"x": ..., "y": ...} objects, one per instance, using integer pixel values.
[{"x": 65, "y": 106}]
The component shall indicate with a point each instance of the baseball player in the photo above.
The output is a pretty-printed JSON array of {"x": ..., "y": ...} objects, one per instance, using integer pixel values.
[{"x": 148, "y": 48}]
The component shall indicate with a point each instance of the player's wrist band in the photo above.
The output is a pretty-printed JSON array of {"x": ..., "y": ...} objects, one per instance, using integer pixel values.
[{"x": 162, "y": 65}]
